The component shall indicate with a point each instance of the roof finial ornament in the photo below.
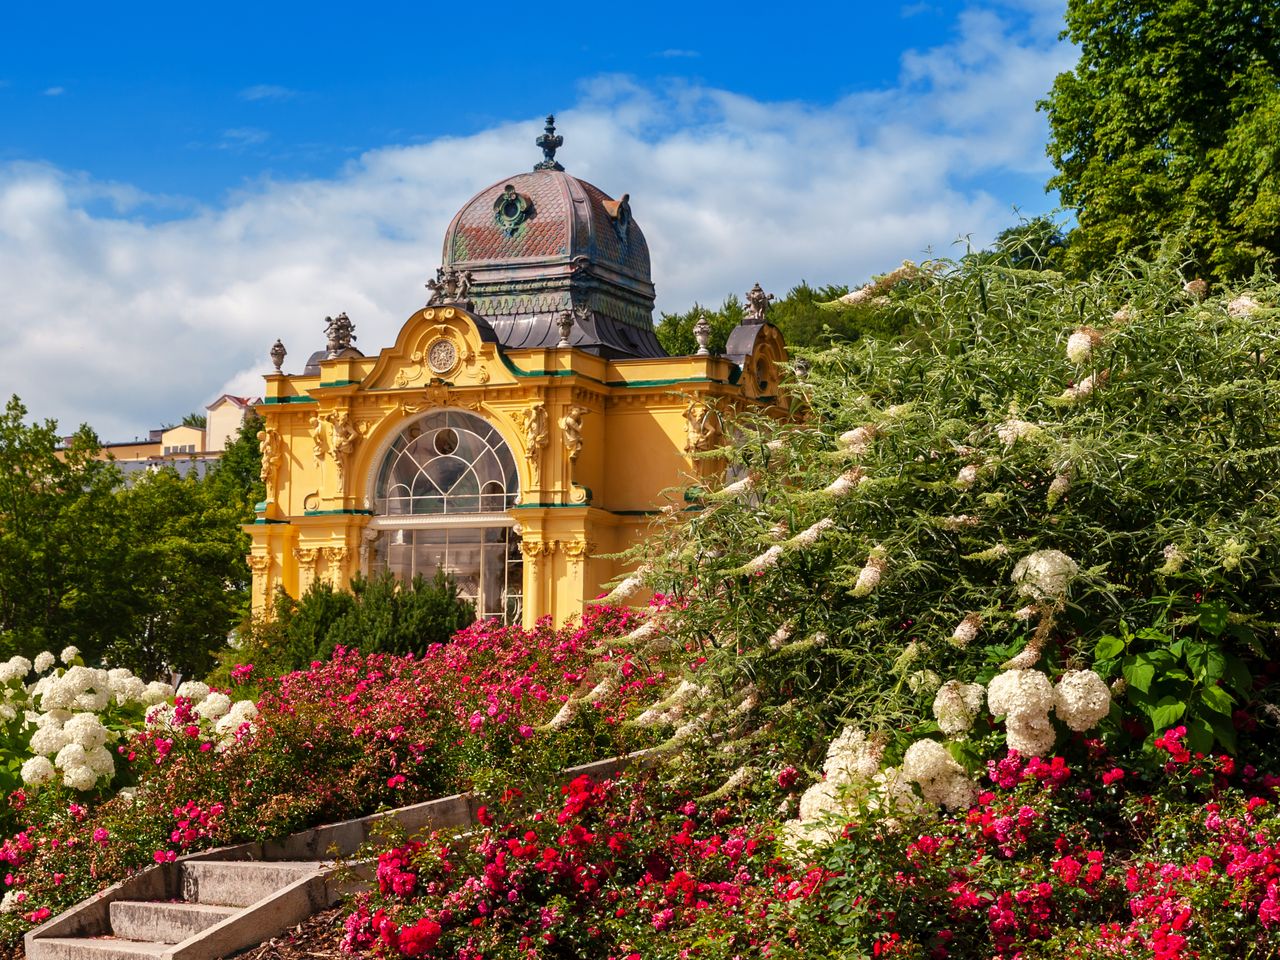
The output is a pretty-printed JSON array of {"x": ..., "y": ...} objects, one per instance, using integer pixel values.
[
  {"x": 340, "y": 331},
  {"x": 550, "y": 142},
  {"x": 278, "y": 354},
  {"x": 757, "y": 306}
]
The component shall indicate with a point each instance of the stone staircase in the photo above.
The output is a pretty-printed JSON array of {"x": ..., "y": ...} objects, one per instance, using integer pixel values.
[
  {"x": 193, "y": 909},
  {"x": 216, "y": 903}
]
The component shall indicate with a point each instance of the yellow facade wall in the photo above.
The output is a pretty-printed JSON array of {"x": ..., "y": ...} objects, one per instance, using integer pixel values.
[{"x": 616, "y": 435}]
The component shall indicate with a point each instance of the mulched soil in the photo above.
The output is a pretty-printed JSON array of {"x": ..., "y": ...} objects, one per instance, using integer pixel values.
[{"x": 317, "y": 936}]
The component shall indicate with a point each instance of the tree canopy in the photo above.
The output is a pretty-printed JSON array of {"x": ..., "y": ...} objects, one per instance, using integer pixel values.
[{"x": 1169, "y": 125}]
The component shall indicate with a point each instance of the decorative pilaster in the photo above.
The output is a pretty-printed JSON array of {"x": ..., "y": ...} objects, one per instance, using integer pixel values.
[
  {"x": 260, "y": 567},
  {"x": 537, "y": 434},
  {"x": 308, "y": 560}
]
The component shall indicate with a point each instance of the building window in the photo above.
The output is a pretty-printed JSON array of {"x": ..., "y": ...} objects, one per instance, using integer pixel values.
[{"x": 441, "y": 496}]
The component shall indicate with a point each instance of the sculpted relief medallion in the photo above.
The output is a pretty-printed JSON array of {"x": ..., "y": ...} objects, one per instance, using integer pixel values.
[{"x": 442, "y": 356}]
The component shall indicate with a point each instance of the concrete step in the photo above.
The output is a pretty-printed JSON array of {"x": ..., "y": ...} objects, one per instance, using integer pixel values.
[
  {"x": 239, "y": 883},
  {"x": 164, "y": 922},
  {"x": 94, "y": 948}
]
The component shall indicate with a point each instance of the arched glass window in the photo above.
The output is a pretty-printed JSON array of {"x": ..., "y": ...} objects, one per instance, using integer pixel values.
[{"x": 441, "y": 496}]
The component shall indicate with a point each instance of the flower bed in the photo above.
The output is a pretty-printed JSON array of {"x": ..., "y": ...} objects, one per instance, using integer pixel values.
[{"x": 343, "y": 738}]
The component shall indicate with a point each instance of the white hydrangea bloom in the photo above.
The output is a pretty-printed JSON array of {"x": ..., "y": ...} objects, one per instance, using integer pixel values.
[
  {"x": 957, "y": 705},
  {"x": 241, "y": 712},
  {"x": 79, "y": 777},
  {"x": 100, "y": 761},
  {"x": 129, "y": 690},
  {"x": 820, "y": 799},
  {"x": 214, "y": 706},
  {"x": 1020, "y": 695},
  {"x": 47, "y": 741},
  {"x": 194, "y": 690},
  {"x": 891, "y": 793},
  {"x": 1081, "y": 699},
  {"x": 44, "y": 661},
  {"x": 1045, "y": 574},
  {"x": 966, "y": 631},
  {"x": 12, "y": 901},
  {"x": 851, "y": 756},
  {"x": 942, "y": 781},
  {"x": 16, "y": 668},
  {"x": 1031, "y": 738},
  {"x": 69, "y": 654},
  {"x": 72, "y": 755},
  {"x": 87, "y": 730},
  {"x": 156, "y": 693},
  {"x": 37, "y": 770}
]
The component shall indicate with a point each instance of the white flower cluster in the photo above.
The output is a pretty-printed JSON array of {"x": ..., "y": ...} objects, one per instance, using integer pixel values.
[
  {"x": 967, "y": 476},
  {"x": 1013, "y": 430},
  {"x": 810, "y": 535},
  {"x": 966, "y": 631},
  {"x": 851, "y": 764},
  {"x": 942, "y": 781},
  {"x": 869, "y": 576},
  {"x": 1045, "y": 574},
  {"x": 1025, "y": 697},
  {"x": 78, "y": 744},
  {"x": 1081, "y": 699},
  {"x": 764, "y": 561},
  {"x": 844, "y": 484},
  {"x": 858, "y": 440},
  {"x": 957, "y": 705},
  {"x": 1079, "y": 391},
  {"x": 1243, "y": 306},
  {"x": 1081, "y": 343}
]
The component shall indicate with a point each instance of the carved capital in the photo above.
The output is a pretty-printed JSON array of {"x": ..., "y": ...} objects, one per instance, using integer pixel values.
[
  {"x": 538, "y": 548},
  {"x": 577, "y": 551}
]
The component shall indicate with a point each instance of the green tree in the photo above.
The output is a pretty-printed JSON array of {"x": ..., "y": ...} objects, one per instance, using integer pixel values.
[
  {"x": 195, "y": 420},
  {"x": 675, "y": 330},
  {"x": 236, "y": 479},
  {"x": 188, "y": 580},
  {"x": 1035, "y": 244},
  {"x": 62, "y": 551},
  {"x": 1170, "y": 124}
]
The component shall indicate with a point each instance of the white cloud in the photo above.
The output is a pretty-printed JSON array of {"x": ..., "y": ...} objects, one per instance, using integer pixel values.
[
  {"x": 267, "y": 91},
  {"x": 126, "y": 323},
  {"x": 54, "y": 91},
  {"x": 675, "y": 53},
  {"x": 238, "y": 138}
]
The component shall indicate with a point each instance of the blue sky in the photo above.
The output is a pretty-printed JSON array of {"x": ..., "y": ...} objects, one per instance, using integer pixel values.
[{"x": 179, "y": 185}]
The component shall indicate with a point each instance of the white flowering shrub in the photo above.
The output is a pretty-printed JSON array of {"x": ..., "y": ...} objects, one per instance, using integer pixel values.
[
  {"x": 1049, "y": 488},
  {"x": 60, "y": 724}
]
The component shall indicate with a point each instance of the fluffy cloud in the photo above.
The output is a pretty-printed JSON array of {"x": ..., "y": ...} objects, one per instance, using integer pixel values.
[{"x": 126, "y": 310}]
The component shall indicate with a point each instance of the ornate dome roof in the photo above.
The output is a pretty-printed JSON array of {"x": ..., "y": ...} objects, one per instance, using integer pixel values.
[{"x": 537, "y": 244}]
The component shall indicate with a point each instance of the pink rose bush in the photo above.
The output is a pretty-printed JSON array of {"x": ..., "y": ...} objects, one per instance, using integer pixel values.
[{"x": 337, "y": 740}]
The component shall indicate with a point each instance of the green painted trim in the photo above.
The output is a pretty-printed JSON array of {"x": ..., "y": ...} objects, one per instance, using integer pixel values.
[
  {"x": 289, "y": 400},
  {"x": 332, "y": 513},
  {"x": 339, "y": 383},
  {"x": 517, "y": 372},
  {"x": 634, "y": 384},
  {"x": 265, "y": 520},
  {"x": 550, "y": 506}
]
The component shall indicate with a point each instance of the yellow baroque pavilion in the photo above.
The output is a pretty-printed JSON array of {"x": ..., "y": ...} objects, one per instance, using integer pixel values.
[{"x": 524, "y": 424}]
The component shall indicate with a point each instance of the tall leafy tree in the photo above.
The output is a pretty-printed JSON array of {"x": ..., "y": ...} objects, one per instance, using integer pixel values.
[
  {"x": 62, "y": 550},
  {"x": 1170, "y": 124}
]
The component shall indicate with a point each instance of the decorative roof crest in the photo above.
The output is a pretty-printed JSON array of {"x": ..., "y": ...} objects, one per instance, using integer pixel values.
[{"x": 550, "y": 142}]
